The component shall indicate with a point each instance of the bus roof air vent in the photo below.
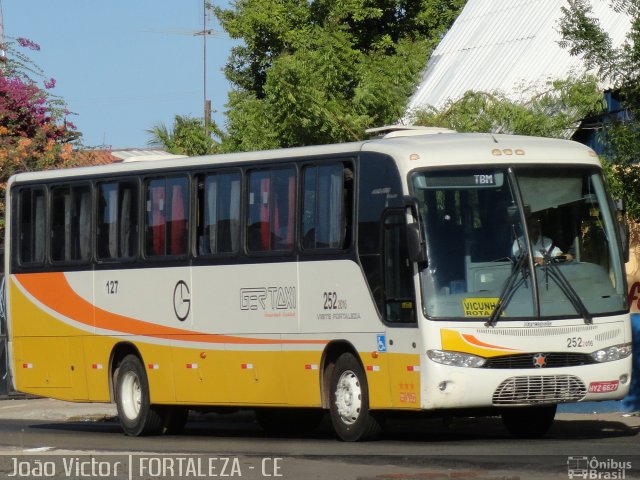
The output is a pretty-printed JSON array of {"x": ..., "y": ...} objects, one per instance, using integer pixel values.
[
  {"x": 392, "y": 131},
  {"x": 139, "y": 155}
]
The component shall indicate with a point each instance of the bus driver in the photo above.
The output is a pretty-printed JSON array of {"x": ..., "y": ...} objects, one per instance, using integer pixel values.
[{"x": 540, "y": 245}]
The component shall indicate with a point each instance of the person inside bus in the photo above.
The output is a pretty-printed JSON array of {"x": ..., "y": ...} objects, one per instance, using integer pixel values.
[{"x": 540, "y": 245}]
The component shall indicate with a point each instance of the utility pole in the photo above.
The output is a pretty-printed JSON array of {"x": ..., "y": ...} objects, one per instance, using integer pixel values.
[
  {"x": 207, "y": 111},
  {"x": 2, "y": 51},
  {"x": 204, "y": 32}
]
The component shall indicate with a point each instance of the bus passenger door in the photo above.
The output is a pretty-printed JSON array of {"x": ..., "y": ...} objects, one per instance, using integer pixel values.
[{"x": 403, "y": 338}]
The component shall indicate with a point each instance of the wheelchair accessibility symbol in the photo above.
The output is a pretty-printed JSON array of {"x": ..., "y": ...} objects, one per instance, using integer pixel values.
[{"x": 382, "y": 343}]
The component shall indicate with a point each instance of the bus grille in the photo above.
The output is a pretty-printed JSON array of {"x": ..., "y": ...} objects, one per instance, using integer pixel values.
[
  {"x": 527, "y": 360},
  {"x": 539, "y": 389}
]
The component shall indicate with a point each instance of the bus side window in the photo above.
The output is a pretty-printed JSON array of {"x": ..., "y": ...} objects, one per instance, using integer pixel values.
[
  {"x": 219, "y": 211},
  {"x": 177, "y": 224},
  {"x": 31, "y": 233},
  {"x": 258, "y": 221},
  {"x": 117, "y": 220},
  {"x": 156, "y": 222},
  {"x": 325, "y": 215},
  {"x": 271, "y": 210},
  {"x": 71, "y": 223},
  {"x": 167, "y": 201}
]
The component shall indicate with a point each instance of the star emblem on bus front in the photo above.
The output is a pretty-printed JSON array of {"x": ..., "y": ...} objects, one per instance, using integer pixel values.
[{"x": 539, "y": 360}]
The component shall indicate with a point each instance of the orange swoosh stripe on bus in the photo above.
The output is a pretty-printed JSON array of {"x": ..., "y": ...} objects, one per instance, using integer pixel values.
[
  {"x": 474, "y": 341},
  {"x": 54, "y": 291}
]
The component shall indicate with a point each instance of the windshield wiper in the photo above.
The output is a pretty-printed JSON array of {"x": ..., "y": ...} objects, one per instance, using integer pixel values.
[
  {"x": 552, "y": 270},
  {"x": 511, "y": 285}
]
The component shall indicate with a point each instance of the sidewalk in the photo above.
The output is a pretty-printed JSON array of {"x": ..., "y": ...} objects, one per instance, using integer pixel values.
[{"x": 54, "y": 410}]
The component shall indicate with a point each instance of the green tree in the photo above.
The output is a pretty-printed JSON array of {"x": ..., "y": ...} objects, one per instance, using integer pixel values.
[
  {"x": 321, "y": 71},
  {"x": 619, "y": 67},
  {"x": 554, "y": 112},
  {"x": 188, "y": 136}
]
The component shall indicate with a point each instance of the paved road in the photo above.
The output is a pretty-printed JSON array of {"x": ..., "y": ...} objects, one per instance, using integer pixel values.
[{"x": 418, "y": 449}]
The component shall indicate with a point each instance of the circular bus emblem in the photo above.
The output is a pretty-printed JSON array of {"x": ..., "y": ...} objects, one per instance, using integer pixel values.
[{"x": 181, "y": 300}]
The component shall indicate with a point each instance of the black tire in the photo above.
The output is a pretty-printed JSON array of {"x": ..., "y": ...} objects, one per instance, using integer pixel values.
[
  {"x": 349, "y": 401},
  {"x": 289, "y": 421},
  {"x": 529, "y": 421},
  {"x": 137, "y": 416},
  {"x": 174, "y": 419}
]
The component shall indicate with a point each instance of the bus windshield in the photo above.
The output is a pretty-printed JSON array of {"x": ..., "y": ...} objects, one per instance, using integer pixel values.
[{"x": 557, "y": 256}]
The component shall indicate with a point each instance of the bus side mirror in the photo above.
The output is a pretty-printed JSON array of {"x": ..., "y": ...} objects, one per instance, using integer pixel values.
[
  {"x": 415, "y": 239},
  {"x": 415, "y": 243}
]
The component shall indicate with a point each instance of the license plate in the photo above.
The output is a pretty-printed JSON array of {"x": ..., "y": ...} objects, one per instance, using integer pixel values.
[{"x": 603, "y": 387}]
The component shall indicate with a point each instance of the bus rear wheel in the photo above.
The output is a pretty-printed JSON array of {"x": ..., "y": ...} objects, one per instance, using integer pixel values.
[
  {"x": 137, "y": 415},
  {"x": 529, "y": 421},
  {"x": 349, "y": 401}
]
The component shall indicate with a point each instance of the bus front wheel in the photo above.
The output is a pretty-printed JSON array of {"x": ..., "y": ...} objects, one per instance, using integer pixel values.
[
  {"x": 137, "y": 415},
  {"x": 349, "y": 401},
  {"x": 529, "y": 421}
]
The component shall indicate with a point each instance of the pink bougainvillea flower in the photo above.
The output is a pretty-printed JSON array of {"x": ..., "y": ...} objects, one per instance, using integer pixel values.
[{"x": 26, "y": 43}]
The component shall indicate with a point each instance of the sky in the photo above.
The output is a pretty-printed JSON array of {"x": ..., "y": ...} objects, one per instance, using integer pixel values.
[{"x": 124, "y": 66}]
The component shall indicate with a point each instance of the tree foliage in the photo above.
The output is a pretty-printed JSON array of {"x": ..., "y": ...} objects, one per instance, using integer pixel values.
[
  {"x": 555, "y": 112},
  {"x": 35, "y": 133},
  {"x": 188, "y": 136},
  {"x": 320, "y": 71},
  {"x": 618, "y": 66}
]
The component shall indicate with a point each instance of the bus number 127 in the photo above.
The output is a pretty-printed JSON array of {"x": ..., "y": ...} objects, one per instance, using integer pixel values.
[{"x": 112, "y": 287}]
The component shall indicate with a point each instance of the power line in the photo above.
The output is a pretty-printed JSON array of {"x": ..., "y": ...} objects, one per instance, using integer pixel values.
[{"x": 187, "y": 32}]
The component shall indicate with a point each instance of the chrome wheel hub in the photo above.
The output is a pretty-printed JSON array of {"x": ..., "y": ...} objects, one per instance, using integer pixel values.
[
  {"x": 348, "y": 397},
  {"x": 131, "y": 395}
]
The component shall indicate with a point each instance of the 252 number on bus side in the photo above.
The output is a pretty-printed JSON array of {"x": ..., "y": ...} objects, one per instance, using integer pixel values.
[{"x": 333, "y": 302}]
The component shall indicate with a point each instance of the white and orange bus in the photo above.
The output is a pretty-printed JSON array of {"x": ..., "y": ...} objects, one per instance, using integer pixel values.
[{"x": 401, "y": 274}]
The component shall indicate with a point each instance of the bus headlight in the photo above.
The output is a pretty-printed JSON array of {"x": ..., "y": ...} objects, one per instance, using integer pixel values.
[
  {"x": 610, "y": 354},
  {"x": 455, "y": 359}
]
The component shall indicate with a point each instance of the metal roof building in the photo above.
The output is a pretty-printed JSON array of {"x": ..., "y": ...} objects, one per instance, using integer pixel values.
[{"x": 509, "y": 46}]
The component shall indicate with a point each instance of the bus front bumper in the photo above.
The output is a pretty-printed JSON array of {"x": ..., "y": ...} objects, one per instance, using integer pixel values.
[{"x": 459, "y": 387}]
